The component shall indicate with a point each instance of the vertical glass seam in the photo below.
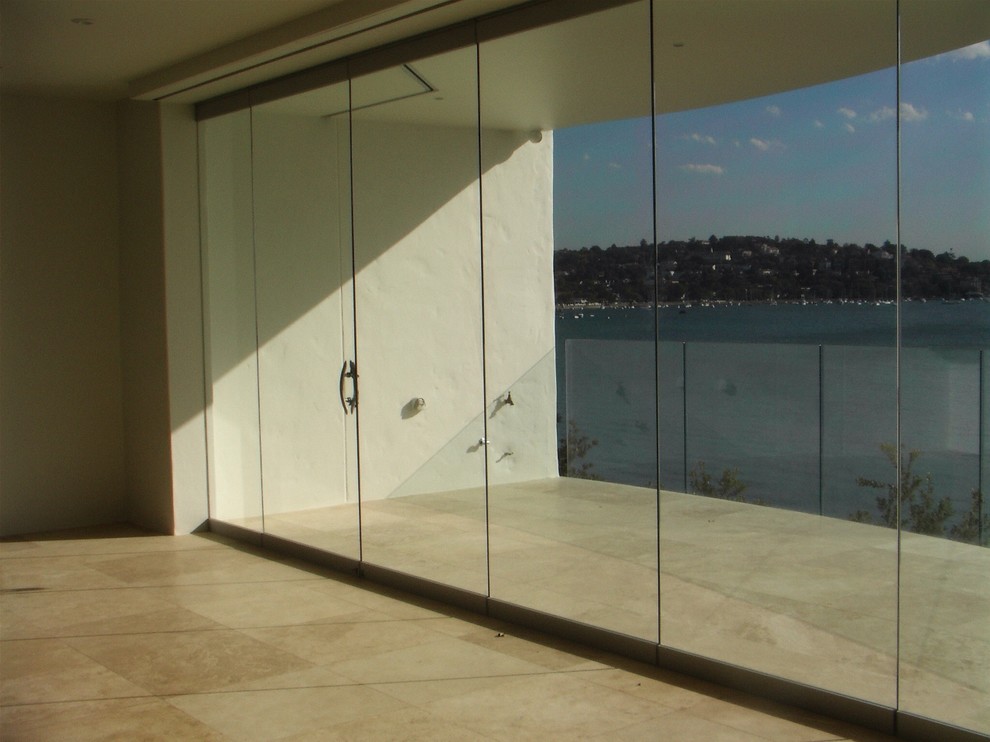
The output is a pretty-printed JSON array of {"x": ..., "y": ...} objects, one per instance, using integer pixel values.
[
  {"x": 484, "y": 327},
  {"x": 204, "y": 317},
  {"x": 354, "y": 307},
  {"x": 656, "y": 294},
  {"x": 897, "y": 359},
  {"x": 257, "y": 330}
]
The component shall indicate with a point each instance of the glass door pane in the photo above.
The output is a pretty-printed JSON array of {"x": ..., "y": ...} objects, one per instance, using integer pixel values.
[
  {"x": 419, "y": 325},
  {"x": 301, "y": 171},
  {"x": 571, "y": 376},
  {"x": 776, "y": 204},
  {"x": 230, "y": 329},
  {"x": 945, "y": 285}
]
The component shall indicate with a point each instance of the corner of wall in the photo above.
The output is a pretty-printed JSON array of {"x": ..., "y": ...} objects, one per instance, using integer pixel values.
[
  {"x": 184, "y": 316},
  {"x": 142, "y": 317}
]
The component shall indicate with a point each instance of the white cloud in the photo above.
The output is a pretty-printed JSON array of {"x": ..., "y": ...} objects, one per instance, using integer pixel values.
[
  {"x": 847, "y": 112},
  {"x": 818, "y": 124},
  {"x": 701, "y": 138},
  {"x": 976, "y": 51},
  {"x": 961, "y": 115},
  {"x": 773, "y": 110},
  {"x": 586, "y": 157},
  {"x": 614, "y": 166},
  {"x": 882, "y": 114},
  {"x": 703, "y": 169},
  {"x": 850, "y": 128},
  {"x": 765, "y": 145},
  {"x": 911, "y": 113}
]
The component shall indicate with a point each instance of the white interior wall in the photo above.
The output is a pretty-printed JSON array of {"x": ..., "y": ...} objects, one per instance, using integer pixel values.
[
  {"x": 419, "y": 306},
  {"x": 519, "y": 305},
  {"x": 61, "y": 409},
  {"x": 417, "y": 249}
]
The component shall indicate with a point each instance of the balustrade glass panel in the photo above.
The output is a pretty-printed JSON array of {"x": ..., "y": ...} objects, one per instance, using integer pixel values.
[
  {"x": 301, "y": 172},
  {"x": 776, "y": 204},
  {"x": 417, "y": 240},
  {"x": 571, "y": 374},
  {"x": 944, "y": 115},
  {"x": 231, "y": 333}
]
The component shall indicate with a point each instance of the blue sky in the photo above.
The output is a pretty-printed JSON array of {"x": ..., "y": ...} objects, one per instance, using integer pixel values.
[{"x": 818, "y": 162}]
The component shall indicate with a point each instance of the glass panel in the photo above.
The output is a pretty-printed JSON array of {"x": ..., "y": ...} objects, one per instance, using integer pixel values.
[
  {"x": 417, "y": 243},
  {"x": 228, "y": 277},
  {"x": 302, "y": 243},
  {"x": 945, "y": 282},
  {"x": 776, "y": 189},
  {"x": 572, "y": 464}
]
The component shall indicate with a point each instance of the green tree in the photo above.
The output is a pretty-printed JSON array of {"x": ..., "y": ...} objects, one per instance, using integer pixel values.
[
  {"x": 571, "y": 451},
  {"x": 727, "y": 487},
  {"x": 920, "y": 511}
]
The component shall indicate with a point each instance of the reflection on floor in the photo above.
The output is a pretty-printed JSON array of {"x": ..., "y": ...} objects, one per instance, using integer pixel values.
[
  {"x": 114, "y": 634},
  {"x": 808, "y": 598}
]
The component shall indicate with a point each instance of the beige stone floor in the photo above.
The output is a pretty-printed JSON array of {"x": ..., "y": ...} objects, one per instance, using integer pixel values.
[
  {"x": 808, "y": 598},
  {"x": 116, "y": 634}
]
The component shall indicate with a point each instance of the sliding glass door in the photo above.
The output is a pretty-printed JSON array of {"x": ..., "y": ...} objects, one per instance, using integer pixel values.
[
  {"x": 417, "y": 246},
  {"x": 305, "y": 335}
]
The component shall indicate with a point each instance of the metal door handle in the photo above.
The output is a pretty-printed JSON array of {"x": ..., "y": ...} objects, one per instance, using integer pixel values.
[{"x": 348, "y": 371}]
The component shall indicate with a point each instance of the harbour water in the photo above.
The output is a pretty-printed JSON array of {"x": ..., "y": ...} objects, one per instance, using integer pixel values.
[{"x": 795, "y": 400}]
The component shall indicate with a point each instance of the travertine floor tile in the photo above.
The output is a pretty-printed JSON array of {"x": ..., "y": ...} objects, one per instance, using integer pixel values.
[
  {"x": 87, "y": 612},
  {"x": 406, "y": 725},
  {"x": 275, "y": 714},
  {"x": 146, "y": 719},
  {"x": 35, "y": 574},
  {"x": 547, "y": 706},
  {"x": 47, "y": 670},
  {"x": 272, "y": 603},
  {"x": 187, "y": 662},
  {"x": 191, "y": 567}
]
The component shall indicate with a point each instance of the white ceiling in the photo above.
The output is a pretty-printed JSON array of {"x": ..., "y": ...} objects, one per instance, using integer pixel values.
[
  {"x": 42, "y": 52},
  {"x": 157, "y": 48},
  {"x": 707, "y": 51}
]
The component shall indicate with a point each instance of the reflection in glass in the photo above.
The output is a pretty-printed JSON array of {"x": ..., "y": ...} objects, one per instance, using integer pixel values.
[
  {"x": 228, "y": 284},
  {"x": 417, "y": 243},
  {"x": 566, "y": 173},
  {"x": 776, "y": 183},
  {"x": 945, "y": 186},
  {"x": 303, "y": 277}
]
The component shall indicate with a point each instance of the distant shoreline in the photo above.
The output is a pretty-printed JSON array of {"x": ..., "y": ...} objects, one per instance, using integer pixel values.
[{"x": 575, "y": 306}]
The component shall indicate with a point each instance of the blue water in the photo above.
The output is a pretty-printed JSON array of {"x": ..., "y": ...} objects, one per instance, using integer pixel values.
[
  {"x": 925, "y": 324},
  {"x": 796, "y": 398}
]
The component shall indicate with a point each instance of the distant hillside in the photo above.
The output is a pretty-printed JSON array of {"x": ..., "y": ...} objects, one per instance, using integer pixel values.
[{"x": 762, "y": 269}]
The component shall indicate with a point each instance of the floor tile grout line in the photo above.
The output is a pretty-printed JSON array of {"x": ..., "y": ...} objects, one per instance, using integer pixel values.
[{"x": 155, "y": 586}]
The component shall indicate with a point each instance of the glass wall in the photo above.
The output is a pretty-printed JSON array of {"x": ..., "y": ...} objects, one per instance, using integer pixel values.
[
  {"x": 944, "y": 115},
  {"x": 667, "y": 319},
  {"x": 768, "y": 206},
  {"x": 227, "y": 234},
  {"x": 582, "y": 545}
]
